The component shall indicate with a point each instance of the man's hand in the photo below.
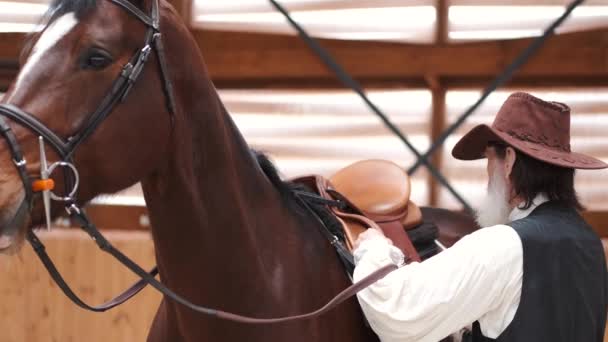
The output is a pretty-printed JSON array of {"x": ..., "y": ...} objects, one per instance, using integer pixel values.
[{"x": 370, "y": 234}]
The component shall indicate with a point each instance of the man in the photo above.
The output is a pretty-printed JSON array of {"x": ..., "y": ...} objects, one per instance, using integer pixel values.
[{"x": 536, "y": 273}]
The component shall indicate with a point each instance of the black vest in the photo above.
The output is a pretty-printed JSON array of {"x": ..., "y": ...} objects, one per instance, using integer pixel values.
[{"x": 565, "y": 283}]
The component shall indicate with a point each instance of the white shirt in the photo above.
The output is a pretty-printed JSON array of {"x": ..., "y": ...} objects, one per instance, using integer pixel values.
[{"x": 477, "y": 279}]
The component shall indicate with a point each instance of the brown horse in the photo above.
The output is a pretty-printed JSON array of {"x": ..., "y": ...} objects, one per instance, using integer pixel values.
[{"x": 227, "y": 233}]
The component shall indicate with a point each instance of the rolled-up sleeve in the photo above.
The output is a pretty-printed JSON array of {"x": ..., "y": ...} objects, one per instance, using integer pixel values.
[{"x": 478, "y": 277}]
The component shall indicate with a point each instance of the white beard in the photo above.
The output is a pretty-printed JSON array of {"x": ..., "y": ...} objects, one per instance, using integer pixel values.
[{"x": 494, "y": 208}]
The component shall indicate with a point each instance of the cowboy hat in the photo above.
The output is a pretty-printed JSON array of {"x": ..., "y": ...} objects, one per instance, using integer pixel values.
[{"x": 537, "y": 128}]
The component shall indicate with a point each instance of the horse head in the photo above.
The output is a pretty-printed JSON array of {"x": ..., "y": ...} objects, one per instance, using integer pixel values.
[{"x": 94, "y": 86}]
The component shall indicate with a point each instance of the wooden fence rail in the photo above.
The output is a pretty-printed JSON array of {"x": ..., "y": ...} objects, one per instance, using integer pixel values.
[{"x": 33, "y": 309}]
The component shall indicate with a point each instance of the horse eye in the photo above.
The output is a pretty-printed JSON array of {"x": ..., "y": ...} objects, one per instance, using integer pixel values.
[{"x": 96, "y": 60}]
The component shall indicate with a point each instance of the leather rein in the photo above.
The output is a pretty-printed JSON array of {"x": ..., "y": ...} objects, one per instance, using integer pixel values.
[{"x": 66, "y": 149}]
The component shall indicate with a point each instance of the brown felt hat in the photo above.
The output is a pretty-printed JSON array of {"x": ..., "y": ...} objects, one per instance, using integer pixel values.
[{"x": 532, "y": 126}]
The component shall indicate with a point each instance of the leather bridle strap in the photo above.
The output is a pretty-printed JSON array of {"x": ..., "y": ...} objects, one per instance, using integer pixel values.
[
  {"x": 147, "y": 278},
  {"x": 337, "y": 300},
  {"x": 17, "y": 155},
  {"x": 133, "y": 10},
  {"x": 40, "y": 250},
  {"x": 120, "y": 89},
  {"x": 130, "y": 74},
  {"x": 21, "y": 165},
  {"x": 27, "y": 120}
]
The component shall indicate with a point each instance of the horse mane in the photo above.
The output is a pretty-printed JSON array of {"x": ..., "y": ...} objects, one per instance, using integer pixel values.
[
  {"x": 288, "y": 193},
  {"x": 270, "y": 170},
  {"x": 58, "y": 8},
  {"x": 286, "y": 189}
]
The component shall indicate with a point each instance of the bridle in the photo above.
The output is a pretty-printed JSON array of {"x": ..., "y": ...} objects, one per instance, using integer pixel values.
[
  {"x": 118, "y": 92},
  {"x": 66, "y": 149}
]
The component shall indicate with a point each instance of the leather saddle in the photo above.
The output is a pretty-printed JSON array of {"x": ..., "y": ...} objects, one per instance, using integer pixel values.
[{"x": 377, "y": 194}]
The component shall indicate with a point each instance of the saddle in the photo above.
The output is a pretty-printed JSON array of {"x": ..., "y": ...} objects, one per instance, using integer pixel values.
[{"x": 377, "y": 195}]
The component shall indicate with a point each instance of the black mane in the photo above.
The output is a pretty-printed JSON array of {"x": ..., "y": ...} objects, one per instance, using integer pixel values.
[
  {"x": 58, "y": 8},
  {"x": 271, "y": 172},
  {"x": 288, "y": 192}
]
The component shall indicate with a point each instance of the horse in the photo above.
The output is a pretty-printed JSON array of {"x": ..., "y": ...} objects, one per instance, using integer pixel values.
[{"x": 227, "y": 232}]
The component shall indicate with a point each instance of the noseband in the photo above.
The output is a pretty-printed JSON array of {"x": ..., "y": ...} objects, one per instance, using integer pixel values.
[{"x": 66, "y": 149}]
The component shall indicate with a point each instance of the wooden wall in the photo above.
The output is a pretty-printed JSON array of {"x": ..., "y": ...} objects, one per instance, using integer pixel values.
[{"x": 33, "y": 309}]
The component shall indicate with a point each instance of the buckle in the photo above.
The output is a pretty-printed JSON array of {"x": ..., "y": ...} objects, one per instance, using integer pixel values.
[
  {"x": 20, "y": 163},
  {"x": 334, "y": 240},
  {"x": 73, "y": 209},
  {"x": 139, "y": 66}
]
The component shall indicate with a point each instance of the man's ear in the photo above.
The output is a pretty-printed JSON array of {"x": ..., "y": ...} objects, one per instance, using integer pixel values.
[{"x": 510, "y": 158}]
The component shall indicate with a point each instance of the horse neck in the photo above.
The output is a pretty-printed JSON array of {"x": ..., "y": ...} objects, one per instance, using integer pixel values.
[
  {"x": 213, "y": 196},
  {"x": 212, "y": 209}
]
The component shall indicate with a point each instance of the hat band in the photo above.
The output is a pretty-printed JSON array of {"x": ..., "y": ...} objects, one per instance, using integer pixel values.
[{"x": 541, "y": 140}]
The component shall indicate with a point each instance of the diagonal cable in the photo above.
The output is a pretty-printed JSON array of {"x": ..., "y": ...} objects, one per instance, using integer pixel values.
[{"x": 348, "y": 81}]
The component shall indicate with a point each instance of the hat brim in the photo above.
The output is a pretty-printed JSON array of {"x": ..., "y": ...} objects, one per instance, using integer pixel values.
[{"x": 472, "y": 146}]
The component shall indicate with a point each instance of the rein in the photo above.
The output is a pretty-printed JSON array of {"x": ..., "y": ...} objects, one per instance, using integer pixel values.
[
  {"x": 66, "y": 149},
  {"x": 148, "y": 278}
]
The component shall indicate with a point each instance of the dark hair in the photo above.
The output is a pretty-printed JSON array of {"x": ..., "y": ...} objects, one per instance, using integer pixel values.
[
  {"x": 56, "y": 9},
  {"x": 531, "y": 177},
  {"x": 271, "y": 172}
]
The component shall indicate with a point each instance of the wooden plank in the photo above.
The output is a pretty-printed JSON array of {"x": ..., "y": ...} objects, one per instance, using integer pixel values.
[
  {"x": 13, "y": 297},
  {"x": 129, "y": 218},
  {"x": 245, "y": 59},
  {"x": 118, "y": 217},
  {"x": 34, "y": 309},
  {"x": 524, "y": 2},
  {"x": 10, "y": 46},
  {"x": 438, "y": 126},
  {"x": 244, "y": 56},
  {"x": 413, "y": 83},
  {"x": 304, "y": 5},
  {"x": 443, "y": 22},
  {"x": 439, "y": 96},
  {"x": 598, "y": 220}
]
